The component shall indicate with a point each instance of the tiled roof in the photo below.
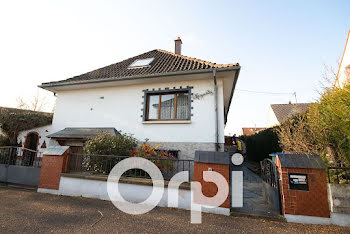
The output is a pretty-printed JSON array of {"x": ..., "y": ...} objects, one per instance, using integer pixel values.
[
  {"x": 286, "y": 111},
  {"x": 17, "y": 110},
  {"x": 301, "y": 161},
  {"x": 251, "y": 131},
  {"x": 82, "y": 133},
  {"x": 164, "y": 62}
]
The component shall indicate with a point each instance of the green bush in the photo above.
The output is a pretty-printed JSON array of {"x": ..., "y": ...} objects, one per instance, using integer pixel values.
[
  {"x": 261, "y": 144},
  {"x": 13, "y": 121},
  {"x": 324, "y": 130},
  {"x": 107, "y": 144},
  {"x": 4, "y": 140}
]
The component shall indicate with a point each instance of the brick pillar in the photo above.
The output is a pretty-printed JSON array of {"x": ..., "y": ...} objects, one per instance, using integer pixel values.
[
  {"x": 55, "y": 162},
  {"x": 307, "y": 198},
  {"x": 212, "y": 161}
]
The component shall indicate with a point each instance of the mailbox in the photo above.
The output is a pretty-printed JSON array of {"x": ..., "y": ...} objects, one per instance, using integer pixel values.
[{"x": 298, "y": 181}]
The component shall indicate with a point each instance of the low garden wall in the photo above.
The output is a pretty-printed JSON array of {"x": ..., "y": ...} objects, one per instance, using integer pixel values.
[
  {"x": 339, "y": 203},
  {"x": 134, "y": 190}
]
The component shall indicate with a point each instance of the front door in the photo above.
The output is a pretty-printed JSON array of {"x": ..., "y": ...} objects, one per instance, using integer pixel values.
[{"x": 31, "y": 144}]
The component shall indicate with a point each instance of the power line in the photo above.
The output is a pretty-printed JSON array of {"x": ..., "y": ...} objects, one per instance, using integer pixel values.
[
  {"x": 273, "y": 93},
  {"x": 264, "y": 92}
]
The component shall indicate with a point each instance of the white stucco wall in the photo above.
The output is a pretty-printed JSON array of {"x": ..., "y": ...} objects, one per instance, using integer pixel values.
[
  {"x": 42, "y": 131},
  {"x": 134, "y": 193},
  {"x": 121, "y": 108},
  {"x": 343, "y": 73},
  {"x": 271, "y": 118}
]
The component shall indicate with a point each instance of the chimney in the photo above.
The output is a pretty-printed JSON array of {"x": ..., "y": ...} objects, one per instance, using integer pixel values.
[{"x": 178, "y": 43}]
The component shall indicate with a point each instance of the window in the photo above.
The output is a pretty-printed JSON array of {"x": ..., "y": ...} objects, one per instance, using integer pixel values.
[
  {"x": 168, "y": 105},
  {"x": 139, "y": 63}
]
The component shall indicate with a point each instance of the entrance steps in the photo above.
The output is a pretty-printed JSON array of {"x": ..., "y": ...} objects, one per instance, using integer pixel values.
[{"x": 253, "y": 200}]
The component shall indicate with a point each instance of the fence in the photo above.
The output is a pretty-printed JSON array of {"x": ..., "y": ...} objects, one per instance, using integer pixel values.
[
  {"x": 338, "y": 175},
  {"x": 103, "y": 164},
  {"x": 18, "y": 156}
]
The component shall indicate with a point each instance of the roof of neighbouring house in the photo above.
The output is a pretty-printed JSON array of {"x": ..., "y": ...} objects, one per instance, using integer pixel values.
[
  {"x": 251, "y": 131},
  {"x": 81, "y": 133},
  {"x": 301, "y": 161},
  {"x": 164, "y": 62},
  {"x": 17, "y": 110},
  {"x": 286, "y": 111},
  {"x": 4, "y": 111}
]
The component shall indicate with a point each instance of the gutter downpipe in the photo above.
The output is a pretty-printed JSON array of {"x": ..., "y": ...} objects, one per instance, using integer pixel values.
[{"x": 216, "y": 111}]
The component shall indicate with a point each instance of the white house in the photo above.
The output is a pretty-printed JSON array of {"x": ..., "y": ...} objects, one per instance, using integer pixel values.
[
  {"x": 343, "y": 74},
  {"x": 278, "y": 113},
  {"x": 178, "y": 101}
]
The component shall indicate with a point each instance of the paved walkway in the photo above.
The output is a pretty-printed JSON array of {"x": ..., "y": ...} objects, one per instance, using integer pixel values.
[
  {"x": 253, "y": 202},
  {"x": 31, "y": 212}
]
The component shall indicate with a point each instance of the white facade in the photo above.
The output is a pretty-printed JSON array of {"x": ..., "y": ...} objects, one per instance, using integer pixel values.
[
  {"x": 271, "y": 118},
  {"x": 41, "y": 131},
  {"x": 343, "y": 75},
  {"x": 120, "y": 105}
]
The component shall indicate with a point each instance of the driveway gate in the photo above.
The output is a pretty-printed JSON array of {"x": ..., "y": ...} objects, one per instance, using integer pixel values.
[
  {"x": 271, "y": 187},
  {"x": 20, "y": 166}
]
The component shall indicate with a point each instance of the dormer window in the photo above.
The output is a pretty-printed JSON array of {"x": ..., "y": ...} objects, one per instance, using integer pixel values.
[{"x": 140, "y": 63}]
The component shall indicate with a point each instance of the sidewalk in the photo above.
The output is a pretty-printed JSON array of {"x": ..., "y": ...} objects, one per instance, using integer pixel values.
[{"x": 29, "y": 212}]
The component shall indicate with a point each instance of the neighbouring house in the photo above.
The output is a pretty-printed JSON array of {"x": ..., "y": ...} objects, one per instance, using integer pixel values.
[
  {"x": 343, "y": 74},
  {"x": 278, "y": 113},
  {"x": 32, "y": 138},
  {"x": 251, "y": 131},
  {"x": 168, "y": 98}
]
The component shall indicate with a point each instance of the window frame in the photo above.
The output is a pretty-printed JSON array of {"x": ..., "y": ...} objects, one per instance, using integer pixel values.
[
  {"x": 160, "y": 93},
  {"x": 133, "y": 66}
]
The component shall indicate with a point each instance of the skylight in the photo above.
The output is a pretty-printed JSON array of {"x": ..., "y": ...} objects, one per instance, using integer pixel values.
[{"x": 139, "y": 63}]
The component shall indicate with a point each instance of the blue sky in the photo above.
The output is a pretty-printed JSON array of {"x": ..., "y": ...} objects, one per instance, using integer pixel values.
[{"x": 282, "y": 46}]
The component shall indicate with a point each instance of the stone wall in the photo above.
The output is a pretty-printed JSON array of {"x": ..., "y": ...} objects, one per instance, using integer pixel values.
[{"x": 187, "y": 149}]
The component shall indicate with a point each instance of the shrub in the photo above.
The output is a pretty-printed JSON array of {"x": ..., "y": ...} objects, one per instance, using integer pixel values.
[
  {"x": 13, "y": 121},
  {"x": 329, "y": 119},
  {"x": 149, "y": 151},
  {"x": 107, "y": 144},
  {"x": 261, "y": 144},
  {"x": 121, "y": 145},
  {"x": 324, "y": 130},
  {"x": 4, "y": 140}
]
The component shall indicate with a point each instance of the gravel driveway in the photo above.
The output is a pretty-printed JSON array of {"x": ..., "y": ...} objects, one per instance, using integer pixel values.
[{"x": 28, "y": 211}]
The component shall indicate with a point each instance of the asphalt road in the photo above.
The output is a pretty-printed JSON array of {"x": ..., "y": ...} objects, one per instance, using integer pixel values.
[{"x": 31, "y": 212}]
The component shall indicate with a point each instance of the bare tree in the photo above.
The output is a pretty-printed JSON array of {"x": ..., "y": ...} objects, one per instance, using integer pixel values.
[{"x": 36, "y": 103}]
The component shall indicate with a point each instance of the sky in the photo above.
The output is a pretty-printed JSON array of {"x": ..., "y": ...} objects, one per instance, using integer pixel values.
[{"x": 282, "y": 46}]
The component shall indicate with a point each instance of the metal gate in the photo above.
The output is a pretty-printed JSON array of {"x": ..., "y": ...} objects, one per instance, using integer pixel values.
[
  {"x": 20, "y": 166},
  {"x": 271, "y": 187}
]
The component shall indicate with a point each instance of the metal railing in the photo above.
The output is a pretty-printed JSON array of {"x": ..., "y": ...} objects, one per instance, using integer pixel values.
[
  {"x": 338, "y": 175},
  {"x": 11, "y": 155},
  {"x": 103, "y": 164}
]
